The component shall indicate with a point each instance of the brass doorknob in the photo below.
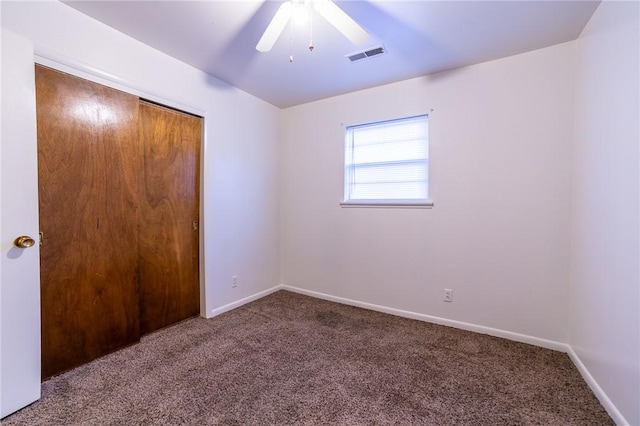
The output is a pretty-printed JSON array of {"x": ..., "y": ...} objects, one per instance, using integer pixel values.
[{"x": 24, "y": 242}]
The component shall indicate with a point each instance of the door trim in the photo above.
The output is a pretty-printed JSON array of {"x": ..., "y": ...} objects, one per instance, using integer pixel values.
[{"x": 51, "y": 59}]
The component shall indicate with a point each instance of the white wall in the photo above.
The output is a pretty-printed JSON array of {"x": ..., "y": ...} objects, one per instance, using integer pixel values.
[
  {"x": 240, "y": 151},
  {"x": 604, "y": 320},
  {"x": 501, "y": 135}
]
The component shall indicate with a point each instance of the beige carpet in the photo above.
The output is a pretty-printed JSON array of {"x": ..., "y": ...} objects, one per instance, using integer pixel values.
[{"x": 291, "y": 359}]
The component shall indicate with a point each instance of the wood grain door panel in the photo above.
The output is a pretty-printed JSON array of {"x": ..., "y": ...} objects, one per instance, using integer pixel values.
[
  {"x": 169, "y": 207},
  {"x": 118, "y": 198},
  {"x": 89, "y": 161}
]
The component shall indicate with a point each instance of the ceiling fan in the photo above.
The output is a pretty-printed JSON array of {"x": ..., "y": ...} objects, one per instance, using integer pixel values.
[{"x": 326, "y": 8}]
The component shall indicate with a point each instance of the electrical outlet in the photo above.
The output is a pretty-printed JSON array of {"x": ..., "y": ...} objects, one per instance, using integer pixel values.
[
  {"x": 234, "y": 281},
  {"x": 448, "y": 295}
]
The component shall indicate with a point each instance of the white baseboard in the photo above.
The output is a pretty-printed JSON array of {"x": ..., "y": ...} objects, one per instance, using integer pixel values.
[
  {"x": 244, "y": 301},
  {"x": 536, "y": 341},
  {"x": 613, "y": 412}
]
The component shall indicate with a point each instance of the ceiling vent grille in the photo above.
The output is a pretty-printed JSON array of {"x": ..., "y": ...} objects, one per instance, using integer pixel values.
[{"x": 374, "y": 51}]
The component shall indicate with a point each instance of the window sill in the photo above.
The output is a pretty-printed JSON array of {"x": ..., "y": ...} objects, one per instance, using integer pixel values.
[{"x": 388, "y": 204}]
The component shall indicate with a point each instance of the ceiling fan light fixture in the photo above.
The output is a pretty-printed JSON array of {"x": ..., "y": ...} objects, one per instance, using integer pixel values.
[
  {"x": 292, "y": 9},
  {"x": 300, "y": 14}
]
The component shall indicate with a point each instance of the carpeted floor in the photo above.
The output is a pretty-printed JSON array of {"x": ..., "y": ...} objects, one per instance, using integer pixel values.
[{"x": 291, "y": 359}]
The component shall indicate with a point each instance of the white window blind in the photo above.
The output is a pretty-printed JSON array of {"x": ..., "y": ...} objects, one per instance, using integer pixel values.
[{"x": 387, "y": 162}]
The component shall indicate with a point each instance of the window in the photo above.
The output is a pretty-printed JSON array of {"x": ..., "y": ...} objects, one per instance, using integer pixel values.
[{"x": 387, "y": 163}]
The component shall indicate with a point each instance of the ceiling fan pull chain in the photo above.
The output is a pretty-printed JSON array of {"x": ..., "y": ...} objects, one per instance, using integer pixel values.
[
  {"x": 291, "y": 36},
  {"x": 310, "y": 29}
]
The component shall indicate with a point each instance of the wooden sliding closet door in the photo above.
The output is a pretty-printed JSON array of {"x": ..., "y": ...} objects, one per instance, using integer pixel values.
[
  {"x": 169, "y": 217},
  {"x": 88, "y": 169}
]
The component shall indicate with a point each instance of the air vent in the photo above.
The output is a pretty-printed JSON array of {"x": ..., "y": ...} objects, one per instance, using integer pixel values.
[{"x": 374, "y": 51}]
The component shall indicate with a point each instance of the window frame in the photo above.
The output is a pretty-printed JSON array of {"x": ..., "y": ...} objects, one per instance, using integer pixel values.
[{"x": 383, "y": 202}]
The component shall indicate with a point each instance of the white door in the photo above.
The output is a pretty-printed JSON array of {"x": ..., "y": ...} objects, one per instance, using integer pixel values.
[{"x": 19, "y": 267}]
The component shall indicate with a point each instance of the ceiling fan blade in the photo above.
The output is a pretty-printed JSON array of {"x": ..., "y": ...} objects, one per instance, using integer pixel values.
[
  {"x": 275, "y": 28},
  {"x": 339, "y": 19}
]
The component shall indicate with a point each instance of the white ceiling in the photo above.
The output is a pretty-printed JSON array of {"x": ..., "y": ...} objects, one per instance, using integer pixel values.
[{"x": 421, "y": 37}]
